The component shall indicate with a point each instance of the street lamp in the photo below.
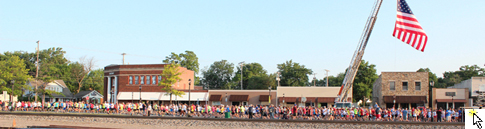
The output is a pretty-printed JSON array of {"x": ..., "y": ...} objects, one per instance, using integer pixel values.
[
  {"x": 190, "y": 106},
  {"x": 11, "y": 94},
  {"x": 140, "y": 93},
  {"x": 226, "y": 99},
  {"x": 241, "y": 64}
]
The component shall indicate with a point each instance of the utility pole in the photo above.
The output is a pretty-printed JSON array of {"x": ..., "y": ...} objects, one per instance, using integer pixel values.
[
  {"x": 326, "y": 70},
  {"x": 314, "y": 79},
  {"x": 241, "y": 64},
  {"x": 123, "y": 54},
  {"x": 37, "y": 70}
]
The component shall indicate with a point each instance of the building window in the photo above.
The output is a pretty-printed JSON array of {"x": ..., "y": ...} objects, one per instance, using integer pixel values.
[
  {"x": 136, "y": 79},
  {"x": 418, "y": 85},
  {"x": 404, "y": 85},
  {"x": 159, "y": 78},
  {"x": 131, "y": 80},
  {"x": 142, "y": 80},
  {"x": 392, "y": 85},
  {"x": 148, "y": 80},
  {"x": 153, "y": 80}
]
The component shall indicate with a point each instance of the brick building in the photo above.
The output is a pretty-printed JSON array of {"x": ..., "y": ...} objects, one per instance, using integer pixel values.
[
  {"x": 401, "y": 89},
  {"x": 122, "y": 82},
  {"x": 314, "y": 96}
]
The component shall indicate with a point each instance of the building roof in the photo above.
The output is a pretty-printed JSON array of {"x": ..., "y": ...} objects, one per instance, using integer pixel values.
[
  {"x": 67, "y": 94},
  {"x": 84, "y": 93}
]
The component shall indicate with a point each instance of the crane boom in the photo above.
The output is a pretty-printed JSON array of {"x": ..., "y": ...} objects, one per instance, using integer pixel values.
[{"x": 357, "y": 57}]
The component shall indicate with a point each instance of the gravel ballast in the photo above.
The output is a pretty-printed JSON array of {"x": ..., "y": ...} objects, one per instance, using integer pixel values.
[{"x": 213, "y": 124}]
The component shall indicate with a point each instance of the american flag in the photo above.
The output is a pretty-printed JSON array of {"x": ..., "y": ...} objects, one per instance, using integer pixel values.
[{"x": 407, "y": 27}]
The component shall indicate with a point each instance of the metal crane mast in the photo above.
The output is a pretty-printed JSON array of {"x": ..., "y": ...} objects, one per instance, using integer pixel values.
[{"x": 359, "y": 52}]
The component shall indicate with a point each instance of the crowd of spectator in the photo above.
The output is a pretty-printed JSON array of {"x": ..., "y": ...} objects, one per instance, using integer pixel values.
[{"x": 374, "y": 113}]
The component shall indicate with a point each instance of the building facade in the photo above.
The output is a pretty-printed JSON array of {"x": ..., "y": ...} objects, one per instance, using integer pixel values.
[
  {"x": 124, "y": 81},
  {"x": 476, "y": 89},
  {"x": 306, "y": 96},
  {"x": 401, "y": 89},
  {"x": 446, "y": 98},
  {"x": 242, "y": 97}
]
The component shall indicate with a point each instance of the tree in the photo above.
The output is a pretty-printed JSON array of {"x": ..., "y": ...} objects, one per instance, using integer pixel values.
[
  {"x": 249, "y": 70},
  {"x": 262, "y": 81},
  {"x": 188, "y": 60},
  {"x": 293, "y": 74},
  {"x": 80, "y": 71},
  {"x": 170, "y": 76},
  {"x": 218, "y": 75},
  {"x": 94, "y": 81},
  {"x": 29, "y": 59},
  {"x": 466, "y": 72},
  {"x": 13, "y": 69},
  {"x": 431, "y": 75},
  {"x": 364, "y": 79}
]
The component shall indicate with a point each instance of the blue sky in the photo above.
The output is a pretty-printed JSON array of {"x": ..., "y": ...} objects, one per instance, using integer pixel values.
[{"x": 318, "y": 34}]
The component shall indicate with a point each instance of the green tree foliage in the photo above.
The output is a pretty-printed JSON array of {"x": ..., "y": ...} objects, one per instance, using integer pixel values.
[
  {"x": 94, "y": 81},
  {"x": 28, "y": 58},
  {"x": 188, "y": 60},
  {"x": 364, "y": 79},
  {"x": 53, "y": 64},
  {"x": 262, "y": 81},
  {"x": 249, "y": 70},
  {"x": 293, "y": 74},
  {"x": 466, "y": 72},
  {"x": 431, "y": 76},
  {"x": 13, "y": 68},
  {"x": 170, "y": 76},
  {"x": 219, "y": 75}
]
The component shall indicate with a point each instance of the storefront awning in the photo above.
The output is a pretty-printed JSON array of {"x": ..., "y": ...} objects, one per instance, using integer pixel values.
[
  {"x": 215, "y": 98},
  {"x": 450, "y": 100},
  {"x": 238, "y": 98},
  {"x": 263, "y": 98},
  {"x": 405, "y": 99},
  {"x": 161, "y": 96},
  {"x": 287, "y": 99},
  {"x": 326, "y": 99}
]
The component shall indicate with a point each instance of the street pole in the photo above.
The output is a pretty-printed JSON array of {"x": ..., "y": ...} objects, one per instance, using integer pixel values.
[
  {"x": 123, "y": 54},
  {"x": 140, "y": 93},
  {"x": 11, "y": 94},
  {"x": 269, "y": 95},
  {"x": 241, "y": 64},
  {"x": 37, "y": 71},
  {"x": 190, "y": 106},
  {"x": 327, "y": 76},
  {"x": 278, "y": 78},
  {"x": 431, "y": 83},
  {"x": 132, "y": 97}
]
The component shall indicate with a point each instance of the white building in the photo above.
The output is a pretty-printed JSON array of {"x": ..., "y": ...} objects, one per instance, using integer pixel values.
[
  {"x": 55, "y": 85},
  {"x": 475, "y": 85}
]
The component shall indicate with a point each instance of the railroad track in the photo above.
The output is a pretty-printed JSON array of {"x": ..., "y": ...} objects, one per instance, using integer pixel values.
[{"x": 237, "y": 120}]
